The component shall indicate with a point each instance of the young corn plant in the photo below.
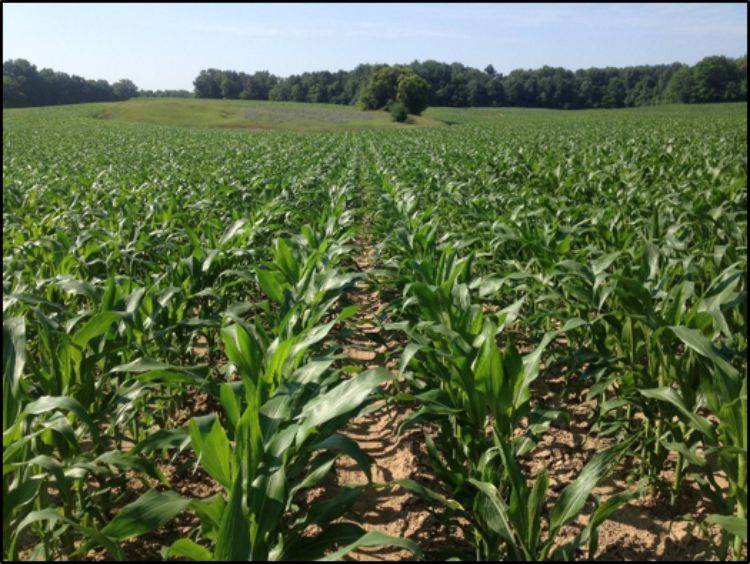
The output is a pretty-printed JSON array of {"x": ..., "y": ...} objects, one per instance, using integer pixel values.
[
  {"x": 59, "y": 462},
  {"x": 508, "y": 514},
  {"x": 282, "y": 448},
  {"x": 704, "y": 447},
  {"x": 468, "y": 384},
  {"x": 281, "y": 438}
]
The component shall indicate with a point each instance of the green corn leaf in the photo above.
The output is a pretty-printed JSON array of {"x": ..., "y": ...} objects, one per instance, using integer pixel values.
[
  {"x": 52, "y": 516},
  {"x": 149, "y": 370},
  {"x": 96, "y": 327},
  {"x": 272, "y": 285},
  {"x": 14, "y": 358},
  {"x": 49, "y": 403},
  {"x": 375, "y": 538},
  {"x": 286, "y": 262},
  {"x": 428, "y": 494},
  {"x": 348, "y": 311},
  {"x": 231, "y": 231},
  {"x": 406, "y": 356},
  {"x": 311, "y": 337},
  {"x": 299, "y": 548},
  {"x": 520, "y": 508},
  {"x": 233, "y": 540},
  {"x": 150, "y": 511},
  {"x": 241, "y": 348},
  {"x": 228, "y": 399},
  {"x": 14, "y": 354},
  {"x": 696, "y": 341},
  {"x": 534, "y": 506},
  {"x": 736, "y": 526},
  {"x": 328, "y": 510},
  {"x": 214, "y": 451},
  {"x": 345, "y": 445},
  {"x": 210, "y": 510},
  {"x": 185, "y": 548},
  {"x": 497, "y": 516},
  {"x": 162, "y": 439},
  {"x": 489, "y": 375},
  {"x": 572, "y": 499},
  {"x": 531, "y": 361},
  {"x": 267, "y": 502},
  {"x": 601, "y": 514},
  {"x": 318, "y": 469},
  {"x": 340, "y": 400},
  {"x": 22, "y": 493},
  {"x": 311, "y": 372},
  {"x": 699, "y": 423}
]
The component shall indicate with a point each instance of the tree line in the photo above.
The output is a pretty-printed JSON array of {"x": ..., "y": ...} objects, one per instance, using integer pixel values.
[
  {"x": 713, "y": 79},
  {"x": 165, "y": 93},
  {"x": 24, "y": 85}
]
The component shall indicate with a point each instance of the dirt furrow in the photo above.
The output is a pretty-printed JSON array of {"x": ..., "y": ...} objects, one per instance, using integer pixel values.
[{"x": 391, "y": 510}]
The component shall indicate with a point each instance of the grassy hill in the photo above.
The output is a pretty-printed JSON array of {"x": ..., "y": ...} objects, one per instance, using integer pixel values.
[
  {"x": 252, "y": 115},
  {"x": 255, "y": 115}
]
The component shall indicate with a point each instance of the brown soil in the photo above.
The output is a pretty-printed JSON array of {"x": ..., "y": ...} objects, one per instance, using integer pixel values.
[
  {"x": 391, "y": 510},
  {"x": 647, "y": 528},
  {"x": 185, "y": 477}
]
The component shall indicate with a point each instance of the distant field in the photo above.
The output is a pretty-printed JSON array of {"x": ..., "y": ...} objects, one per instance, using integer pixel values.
[
  {"x": 251, "y": 114},
  {"x": 255, "y": 115},
  {"x": 523, "y": 116}
]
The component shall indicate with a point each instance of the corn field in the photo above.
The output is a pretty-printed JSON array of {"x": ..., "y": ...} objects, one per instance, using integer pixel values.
[{"x": 145, "y": 267}]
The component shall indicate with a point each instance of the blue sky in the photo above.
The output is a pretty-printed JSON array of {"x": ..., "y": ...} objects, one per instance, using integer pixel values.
[{"x": 166, "y": 45}]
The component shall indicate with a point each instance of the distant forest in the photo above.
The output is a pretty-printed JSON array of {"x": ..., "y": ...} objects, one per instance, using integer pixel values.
[
  {"x": 24, "y": 85},
  {"x": 713, "y": 79}
]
